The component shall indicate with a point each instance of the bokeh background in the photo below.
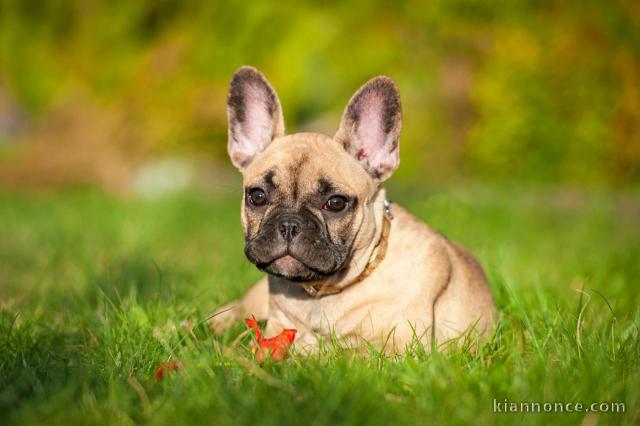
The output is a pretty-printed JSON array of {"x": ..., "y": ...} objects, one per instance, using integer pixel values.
[
  {"x": 130, "y": 95},
  {"x": 119, "y": 210}
]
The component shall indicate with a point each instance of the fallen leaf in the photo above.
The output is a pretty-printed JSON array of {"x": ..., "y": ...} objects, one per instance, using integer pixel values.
[
  {"x": 276, "y": 347},
  {"x": 253, "y": 324},
  {"x": 169, "y": 366}
]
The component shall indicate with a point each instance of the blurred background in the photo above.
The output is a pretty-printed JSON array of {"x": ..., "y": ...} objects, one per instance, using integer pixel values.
[
  {"x": 130, "y": 95},
  {"x": 119, "y": 209}
]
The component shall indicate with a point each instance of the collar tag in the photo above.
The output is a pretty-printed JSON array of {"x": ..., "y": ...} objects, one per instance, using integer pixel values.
[{"x": 387, "y": 208}]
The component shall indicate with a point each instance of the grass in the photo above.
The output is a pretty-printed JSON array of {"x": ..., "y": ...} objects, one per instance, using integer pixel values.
[{"x": 93, "y": 291}]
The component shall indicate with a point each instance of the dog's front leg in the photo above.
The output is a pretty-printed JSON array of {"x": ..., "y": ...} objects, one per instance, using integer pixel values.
[{"x": 255, "y": 302}]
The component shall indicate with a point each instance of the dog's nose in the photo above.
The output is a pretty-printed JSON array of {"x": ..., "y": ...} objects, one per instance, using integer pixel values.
[{"x": 289, "y": 228}]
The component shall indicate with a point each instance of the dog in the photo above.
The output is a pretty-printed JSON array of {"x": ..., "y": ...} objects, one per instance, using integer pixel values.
[{"x": 342, "y": 261}]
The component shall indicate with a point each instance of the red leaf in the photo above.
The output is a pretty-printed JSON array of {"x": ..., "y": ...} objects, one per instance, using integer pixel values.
[
  {"x": 253, "y": 324},
  {"x": 275, "y": 347},
  {"x": 170, "y": 366}
]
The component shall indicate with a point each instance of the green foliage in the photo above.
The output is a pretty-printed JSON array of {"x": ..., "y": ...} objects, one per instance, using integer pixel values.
[
  {"x": 94, "y": 291},
  {"x": 525, "y": 90}
]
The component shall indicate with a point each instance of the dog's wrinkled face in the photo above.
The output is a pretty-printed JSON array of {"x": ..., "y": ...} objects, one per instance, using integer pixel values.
[
  {"x": 302, "y": 207},
  {"x": 307, "y": 197}
]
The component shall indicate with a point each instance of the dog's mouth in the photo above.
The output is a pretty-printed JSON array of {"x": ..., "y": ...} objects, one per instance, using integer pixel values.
[
  {"x": 288, "y": 262},
  {"x": 292, "y": 268},
  {"x": 309, "y": 258}
]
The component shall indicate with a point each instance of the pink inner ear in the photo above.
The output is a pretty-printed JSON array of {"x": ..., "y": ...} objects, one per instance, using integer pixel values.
[
  {"x": 370, "y": 129},
  {"x": 255, "y": 132},
  {"x": 258, "y": 123},
  {"x": 362, "y": 154},
  {"x": 376, "y": 146}
]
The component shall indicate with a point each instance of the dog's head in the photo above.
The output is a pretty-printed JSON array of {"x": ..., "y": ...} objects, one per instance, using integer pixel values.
[{"x": 308, "y": 199}]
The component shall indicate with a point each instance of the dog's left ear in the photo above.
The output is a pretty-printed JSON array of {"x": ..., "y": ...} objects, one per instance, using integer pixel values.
[
  {"x": 254, "y": 114},
  {"x": 370, "y": 127}
]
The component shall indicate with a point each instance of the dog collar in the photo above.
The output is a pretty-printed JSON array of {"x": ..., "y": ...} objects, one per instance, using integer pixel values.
[{"x": 377, "y": 255}]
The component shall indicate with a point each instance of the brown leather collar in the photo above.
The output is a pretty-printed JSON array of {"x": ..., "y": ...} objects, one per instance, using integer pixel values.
[{"x": 377, "y": 255}]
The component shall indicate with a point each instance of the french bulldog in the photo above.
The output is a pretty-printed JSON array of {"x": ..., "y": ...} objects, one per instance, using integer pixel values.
[{"x": 342, "y": 262}]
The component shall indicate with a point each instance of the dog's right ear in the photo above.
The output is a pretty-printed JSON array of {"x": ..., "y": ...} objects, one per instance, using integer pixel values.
[
  {"x": 370, "y": 127},
  {"x": 254, "y": 114}
]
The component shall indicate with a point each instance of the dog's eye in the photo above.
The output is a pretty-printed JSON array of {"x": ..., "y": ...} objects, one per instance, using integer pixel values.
[
  {"x": 257, "y": 197},
  {"x": 335, "y": 204}
]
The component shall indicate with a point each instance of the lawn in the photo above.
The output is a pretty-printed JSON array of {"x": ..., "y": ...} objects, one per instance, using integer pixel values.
[{"x": 95, "y": 290}]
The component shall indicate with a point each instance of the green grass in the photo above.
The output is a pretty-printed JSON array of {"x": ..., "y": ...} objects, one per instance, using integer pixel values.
[{"x": 93, "y": 291}]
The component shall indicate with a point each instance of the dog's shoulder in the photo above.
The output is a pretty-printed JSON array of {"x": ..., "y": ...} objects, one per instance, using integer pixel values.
[
  {"x": 415, "y": 236},
  {"x": 412, "y": 238},
  {"x": 411, "y": 230}
]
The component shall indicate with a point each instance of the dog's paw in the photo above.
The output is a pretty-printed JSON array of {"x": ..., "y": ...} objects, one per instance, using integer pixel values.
[{"x": 224, "y": 318}]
